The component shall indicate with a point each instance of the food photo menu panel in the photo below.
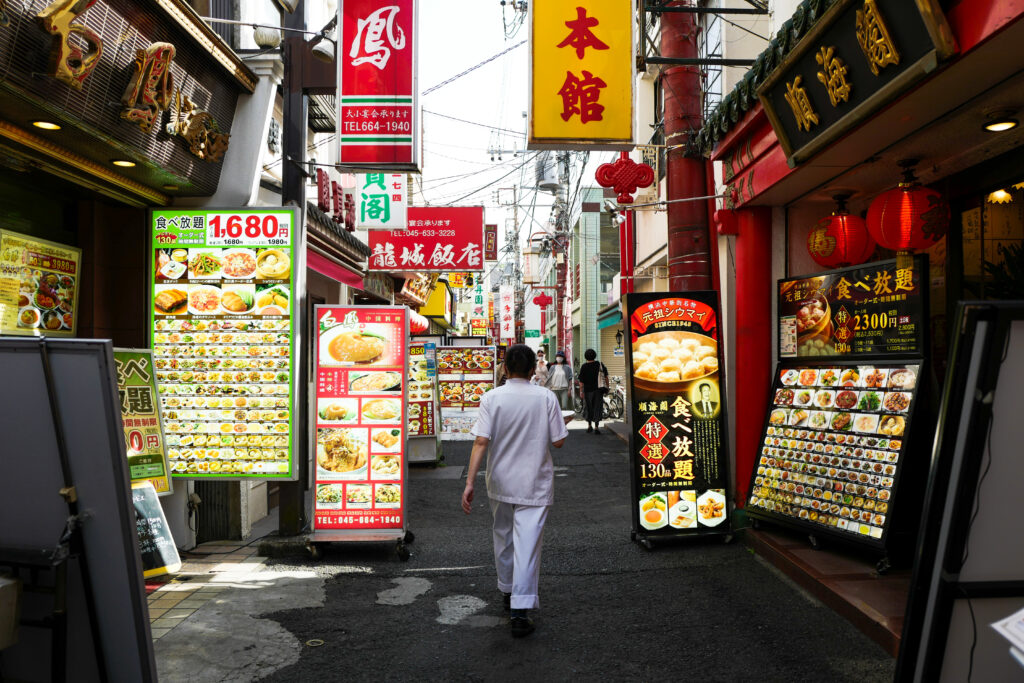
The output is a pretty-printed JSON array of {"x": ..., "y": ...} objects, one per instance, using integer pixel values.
[
  {"x": 422, "y": 376},
  {"x": 361, "y": 430},
  {"x": 223, "y": 336},
  {"x": 677, "y": 450},
  {"x": 833, "y": 448}
]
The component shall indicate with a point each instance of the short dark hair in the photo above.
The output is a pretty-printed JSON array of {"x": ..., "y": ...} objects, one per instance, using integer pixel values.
[
  {"x": 520, "y": 360},
  {"x": 590, "y": 354},
  {"x": 700, "y": 387}
]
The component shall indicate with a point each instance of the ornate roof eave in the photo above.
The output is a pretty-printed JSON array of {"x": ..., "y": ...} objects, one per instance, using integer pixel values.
[{"x": 743, "y": 96}]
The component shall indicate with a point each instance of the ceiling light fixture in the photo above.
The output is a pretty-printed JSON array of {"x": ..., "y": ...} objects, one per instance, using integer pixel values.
[
  {"x": 123, "y": 163},
  {"x": 46, "y": 125},
  {"x": 1000, "y": 120},
  {"x": 1000, "y": 197}
]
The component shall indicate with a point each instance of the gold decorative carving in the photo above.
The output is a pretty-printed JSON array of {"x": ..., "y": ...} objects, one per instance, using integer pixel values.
[
  {"x": 69, "y": 63},
  {"x": 198, "y": 128},
  {"x": 834, "y": 75},
  {"x": 149, "y": 91},
  {"x": 874, "y": 38},
  {"x": 803, "y": 112}
]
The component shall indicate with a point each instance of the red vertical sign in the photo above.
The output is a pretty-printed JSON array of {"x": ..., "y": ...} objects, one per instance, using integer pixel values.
[
  {"x": 490, "y": 242},
  {"x": 360, "y": 459},
  {"x": 378, "y": 125}
]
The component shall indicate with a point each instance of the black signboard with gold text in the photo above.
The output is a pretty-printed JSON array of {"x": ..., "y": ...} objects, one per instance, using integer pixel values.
[
  {"x": 873, "y": 309},
  {"x": 677, "y": 398}
]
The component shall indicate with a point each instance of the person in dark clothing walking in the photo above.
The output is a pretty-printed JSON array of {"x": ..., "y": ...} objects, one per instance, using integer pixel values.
[{"x": 593, "y": 395}]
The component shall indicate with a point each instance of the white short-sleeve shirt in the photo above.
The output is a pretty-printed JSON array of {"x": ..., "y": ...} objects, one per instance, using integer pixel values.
[{"x": 521, "y": 420}]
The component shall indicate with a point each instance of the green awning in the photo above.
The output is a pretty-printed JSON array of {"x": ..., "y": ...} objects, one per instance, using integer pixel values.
[{"x": 610, "y": 318}]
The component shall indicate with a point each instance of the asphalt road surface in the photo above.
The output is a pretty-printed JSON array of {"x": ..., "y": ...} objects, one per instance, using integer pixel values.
[{"x": 610, "y": 610}]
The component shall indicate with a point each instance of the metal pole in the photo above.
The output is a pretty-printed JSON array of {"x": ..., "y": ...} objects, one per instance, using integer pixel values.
[{"x": 292, "y": 494}]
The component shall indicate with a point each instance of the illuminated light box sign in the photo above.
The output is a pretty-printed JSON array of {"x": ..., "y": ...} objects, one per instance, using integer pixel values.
[{"x": 224, "y": 305}]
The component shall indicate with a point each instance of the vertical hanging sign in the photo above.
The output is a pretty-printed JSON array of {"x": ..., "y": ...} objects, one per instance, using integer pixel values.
[
  {"x": 507, "y": 314},
  {"x": 378, "y": 121},
  {"x": 491, "y": 242},
  {"x": 361, "y": 429},
  {"x": 381, "y": 201},
  {"x": 581, "y": 75}
]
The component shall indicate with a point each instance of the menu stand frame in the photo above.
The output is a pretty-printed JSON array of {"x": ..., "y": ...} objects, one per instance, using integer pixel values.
[
  {"x": 952, "y": 494},
  {"x": 911, "y": 457},
  {"x": 317, "y": 538}
]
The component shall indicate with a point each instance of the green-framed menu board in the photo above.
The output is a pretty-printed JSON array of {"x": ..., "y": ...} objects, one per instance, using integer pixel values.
[{"x": 225, "y": 299}]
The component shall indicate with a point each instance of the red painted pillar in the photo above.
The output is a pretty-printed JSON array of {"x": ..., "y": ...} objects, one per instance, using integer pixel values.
[{"x": 754, "y": 291}]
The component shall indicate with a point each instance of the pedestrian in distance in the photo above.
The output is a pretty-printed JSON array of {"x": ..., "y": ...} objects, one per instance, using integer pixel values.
[
  {"x": 560, "y": 380},
  {"x": 591, "y": 375},
  {"x": 513, "y": 429},
  {"x": 540, "y": 375}
]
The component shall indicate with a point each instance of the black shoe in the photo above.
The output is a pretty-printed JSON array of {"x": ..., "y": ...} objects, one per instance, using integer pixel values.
[
  {"x": 590, "y": 428},
  {"x": 521, "y": 626},
  {"x": 507, "y": 599}
]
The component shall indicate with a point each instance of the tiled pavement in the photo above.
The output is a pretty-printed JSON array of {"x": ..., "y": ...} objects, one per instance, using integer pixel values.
[{"x": 205, "y": 573}]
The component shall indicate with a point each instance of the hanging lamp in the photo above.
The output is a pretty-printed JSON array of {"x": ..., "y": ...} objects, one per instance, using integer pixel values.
[
  {"x": 841, "y": 239},
  {"x": 908, "y": 216}
]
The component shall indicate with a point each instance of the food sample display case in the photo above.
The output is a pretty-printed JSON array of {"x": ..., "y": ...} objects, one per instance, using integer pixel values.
[
  {"x": 423, "y": 419},
  {"x": 225, "y": 300},
  {"x": 360, "y": 433},
  {"x": 844, "y": 425},
  {"x": 465, "y": 374}
]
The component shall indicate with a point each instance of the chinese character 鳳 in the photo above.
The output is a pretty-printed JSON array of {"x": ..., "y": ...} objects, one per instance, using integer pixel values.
[{"x": 368, "y": 46}]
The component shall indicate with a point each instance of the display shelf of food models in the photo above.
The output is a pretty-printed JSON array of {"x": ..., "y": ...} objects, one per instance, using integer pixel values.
[
  {"x": 422, "y": 391},
  {"x": 465, "y": 374},
  {"x": 833, "y": 447},
  {"x": 222, "y": 349}
]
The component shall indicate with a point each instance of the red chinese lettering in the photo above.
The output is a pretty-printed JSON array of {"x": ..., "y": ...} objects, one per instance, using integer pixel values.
[
  {"x": 581, "y": 37},
  {"x": 580, "y": 96}
]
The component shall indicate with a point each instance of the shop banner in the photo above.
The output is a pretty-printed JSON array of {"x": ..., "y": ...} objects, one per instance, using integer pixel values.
[
  {"x": 871, "y": 309},
  {"x": 422, "y": 389},
  {"x": 360, "y": 461},
  {"x": 378, "y": 111},
  {"x": 478, "y": 327},
  {"x": 491, "y": 242},
  {"x": 581, "y": 74},
  {"x": 507, "y": 312},
  {"x": 835, "y": 442},
  {"x": 144, "y": 437},
  {"x": 38, "y": 286},
  {"x": 440, "y": 239},
  {"x": 677, "y": 443},
  {"x": 225, "y": 295},
  {"x": 381, "y": 201}
]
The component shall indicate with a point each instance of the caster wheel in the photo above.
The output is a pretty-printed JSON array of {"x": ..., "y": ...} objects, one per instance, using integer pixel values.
[
  {"x": 647, "y": 544},
  {"x": 409, "y": 537},
  {"x": 403, "y": 552},
  {"x": 315, "y": 551}
]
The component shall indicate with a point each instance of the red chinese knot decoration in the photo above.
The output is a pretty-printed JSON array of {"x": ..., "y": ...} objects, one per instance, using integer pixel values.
[
  {"x": 542, "y": 300},
  {"x": 908, "y": 216},
  {"x": 625, "y": 176},
  {"x": 840, "y": 240}
]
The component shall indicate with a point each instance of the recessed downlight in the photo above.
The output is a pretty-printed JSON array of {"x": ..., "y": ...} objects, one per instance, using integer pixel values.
[
  {"x": 171, "y": 187},
  {"x": 123, "y": 163},
  {"x": 1000, "y": 125},
  {"x": 46, "y": 125}
]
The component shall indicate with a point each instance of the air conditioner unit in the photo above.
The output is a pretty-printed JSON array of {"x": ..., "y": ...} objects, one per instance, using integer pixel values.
[{"x": 650, "y": 156}]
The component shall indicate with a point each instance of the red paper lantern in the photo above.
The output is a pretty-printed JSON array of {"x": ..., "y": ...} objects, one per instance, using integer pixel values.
[
  {"x": 418, "y": 324},
  {"x": 908, "y": 216},
  {"x": 840, "y": 240}
]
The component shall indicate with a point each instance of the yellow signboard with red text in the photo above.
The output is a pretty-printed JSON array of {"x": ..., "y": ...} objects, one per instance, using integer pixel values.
[{"x": 581, "y": 91}]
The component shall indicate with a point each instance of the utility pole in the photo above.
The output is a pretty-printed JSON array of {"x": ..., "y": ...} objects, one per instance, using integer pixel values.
[{"x": 689, "y": 258}]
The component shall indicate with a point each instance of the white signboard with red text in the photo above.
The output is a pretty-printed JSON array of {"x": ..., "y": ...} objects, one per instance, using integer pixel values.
[
  {"x": 378, "y": 122},
  {"x": 507, "y": 314},
  {"x": 441, "y": 239},
  {"x": 360, "y": 464}
]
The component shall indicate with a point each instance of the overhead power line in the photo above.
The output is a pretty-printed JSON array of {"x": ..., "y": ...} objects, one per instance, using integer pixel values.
[
  {"x": 471, "y": 69},
  {"x": 474, "y": 123}
]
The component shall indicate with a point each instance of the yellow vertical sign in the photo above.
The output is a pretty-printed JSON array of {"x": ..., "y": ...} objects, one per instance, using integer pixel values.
[{"x": 581, "y": 90}]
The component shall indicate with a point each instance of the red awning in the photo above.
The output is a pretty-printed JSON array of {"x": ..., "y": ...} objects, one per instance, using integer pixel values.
[{"x": 335, "y": 271}]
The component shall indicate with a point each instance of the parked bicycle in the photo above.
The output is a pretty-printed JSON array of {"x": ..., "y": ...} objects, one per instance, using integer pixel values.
[{"x": 615, "y": 400}]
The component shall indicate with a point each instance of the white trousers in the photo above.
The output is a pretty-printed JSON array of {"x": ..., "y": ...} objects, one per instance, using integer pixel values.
[{"x": 518, "y": 535}]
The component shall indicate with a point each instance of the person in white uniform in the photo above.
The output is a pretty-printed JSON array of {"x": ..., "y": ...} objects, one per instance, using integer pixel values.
[{"x": 516, "y": 423}]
